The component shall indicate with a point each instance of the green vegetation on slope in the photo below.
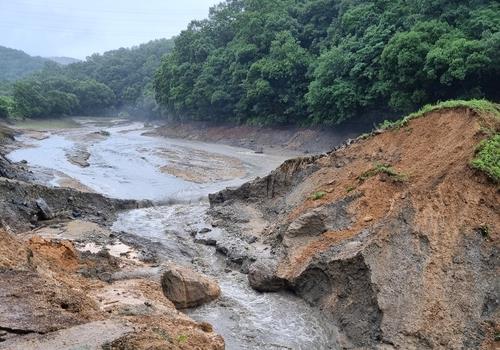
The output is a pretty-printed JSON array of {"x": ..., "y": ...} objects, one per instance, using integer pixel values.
[
  {"x": 383, "y": 169},
  {"x": 487, "y": 158},
  {"x": 16, "y": 64},
  {"x": 327, "y": 61},
  {"x": 119, "y": 80},
  {"x": 481, "y": 107}
]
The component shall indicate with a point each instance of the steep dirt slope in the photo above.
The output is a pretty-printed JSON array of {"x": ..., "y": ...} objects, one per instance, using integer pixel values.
[{"x": 395, "y": 236}]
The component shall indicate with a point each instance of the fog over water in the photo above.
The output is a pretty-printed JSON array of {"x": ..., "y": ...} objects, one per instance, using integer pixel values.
[{"x": 79, "y": 28}]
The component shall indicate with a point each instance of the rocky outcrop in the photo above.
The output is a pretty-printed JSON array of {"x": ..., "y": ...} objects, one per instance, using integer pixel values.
[
  {"x": 23, "y": 204},
  {"x": 263, "y": 278},
  {"x": 187, "y": 288},
  {"x": 403, "y": 258},
  {"x": 45, "y": 212},
  {"x": 311, "y": 223}
]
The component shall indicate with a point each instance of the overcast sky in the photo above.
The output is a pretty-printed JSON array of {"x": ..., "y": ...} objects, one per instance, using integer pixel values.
[{"x": 79, "y": 28}]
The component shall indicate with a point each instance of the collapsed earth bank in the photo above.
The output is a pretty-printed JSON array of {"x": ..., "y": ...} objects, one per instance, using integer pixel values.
[{"x": 395, "y": 235}]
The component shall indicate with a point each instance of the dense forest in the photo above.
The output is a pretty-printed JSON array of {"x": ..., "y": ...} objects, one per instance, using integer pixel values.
[
  {"x": 327, "y": 61},
  {"x": 16, "y": 64},
  {"x": 282, "y": 62},
  {"x": 116, "y": 81}
]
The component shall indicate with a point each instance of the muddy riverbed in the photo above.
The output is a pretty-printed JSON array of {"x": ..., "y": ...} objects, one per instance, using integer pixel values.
[{"x": 116, "y": 158}]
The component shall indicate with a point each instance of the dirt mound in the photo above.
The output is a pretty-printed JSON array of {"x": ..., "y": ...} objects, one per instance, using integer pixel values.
[
  {"x": 48, "y": 301},
  {"x": 394, "y": 235},
  {"x": 37, "y": 297}
]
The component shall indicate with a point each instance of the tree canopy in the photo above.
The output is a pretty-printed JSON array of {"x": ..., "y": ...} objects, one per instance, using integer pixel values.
[
  {"x": 281, "y": 62},
  {"x": 16, "y": 64},
  {"x": 116, "y": 81},
  {"x": 328, "y": 61}
]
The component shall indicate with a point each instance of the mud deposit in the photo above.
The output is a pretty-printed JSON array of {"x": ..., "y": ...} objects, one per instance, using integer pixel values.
[{"x": 115, "y": 158}]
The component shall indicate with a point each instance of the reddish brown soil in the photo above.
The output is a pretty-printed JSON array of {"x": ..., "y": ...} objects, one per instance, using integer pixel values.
[
  {"x": 434, "y": 152},
  {"x": 41, "y": 291},
  {"x": 408, "y": 260}
]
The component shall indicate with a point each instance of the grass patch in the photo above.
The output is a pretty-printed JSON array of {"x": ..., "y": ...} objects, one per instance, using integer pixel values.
[
  {"x": 318, "y": 195},
  {"x": 350, "y": 189},
  {"x": 487, "y": 157},
  {"x": 392, "y": 124},
  {"x": 383, "y": 169},
  {"x": 162, "y": 334},
  {"x": 364, "y": 136},
  {"x": 182, "y": 338},
  {"x": 481, "y": 107}
]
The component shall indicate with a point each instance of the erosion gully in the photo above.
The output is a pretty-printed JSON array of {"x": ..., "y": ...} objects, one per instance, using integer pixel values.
[{"x": 123, "y": 161}]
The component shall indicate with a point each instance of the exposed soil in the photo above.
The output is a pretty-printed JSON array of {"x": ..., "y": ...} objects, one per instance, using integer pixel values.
[
  {"x": 51, "y": 291},
  {"x": 79, "y": 157},
  {"x": 20, "y": 211},
  {"x": 193, "y": 165},
  {"x": 399, "y": 260},
  {"x": 268, "y": 140}
]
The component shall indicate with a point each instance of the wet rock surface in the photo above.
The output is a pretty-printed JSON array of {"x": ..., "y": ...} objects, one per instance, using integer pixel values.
[
  {"x": 187, "y": 288},
  {"x": 25, "y": 203},
  {"x": 45, "y": 212},
  {"x": 262, "y": 276}
]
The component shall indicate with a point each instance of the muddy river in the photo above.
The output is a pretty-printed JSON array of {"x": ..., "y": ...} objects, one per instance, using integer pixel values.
[{"x": 119, "y": 159}]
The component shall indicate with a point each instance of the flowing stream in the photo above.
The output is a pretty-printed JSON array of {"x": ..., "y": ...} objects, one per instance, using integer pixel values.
[{"x": 123, "y": 162}]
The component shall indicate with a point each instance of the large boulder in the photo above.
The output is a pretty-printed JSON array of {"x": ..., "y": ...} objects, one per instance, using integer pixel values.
[
  {"x": 308, "y": 224},
  {"x": 45, "y": 211},
  {"x": 262, "y": 276},
  {"x": 187, "y": 288}
]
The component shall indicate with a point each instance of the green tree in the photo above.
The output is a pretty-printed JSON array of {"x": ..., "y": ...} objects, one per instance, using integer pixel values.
[{"x": 6, "y": 107}]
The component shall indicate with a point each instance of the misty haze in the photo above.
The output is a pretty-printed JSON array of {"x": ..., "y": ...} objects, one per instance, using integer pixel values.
[{"x": 249, "y": 174}]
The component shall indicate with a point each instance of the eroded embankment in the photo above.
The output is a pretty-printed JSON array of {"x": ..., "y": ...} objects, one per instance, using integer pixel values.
[
  {"x": 395, "y": 235},
  {"x": 25, "y": 205},
  {"x": 67, "y": 281},
  {"x": 291, "y": 139}
]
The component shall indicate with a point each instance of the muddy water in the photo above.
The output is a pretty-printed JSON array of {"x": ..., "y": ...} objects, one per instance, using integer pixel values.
[{"x": 127, "y": 164}]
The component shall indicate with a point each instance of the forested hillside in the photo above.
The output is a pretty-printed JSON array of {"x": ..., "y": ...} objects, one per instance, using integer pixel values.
[
  {"x": 16, "y": 64},
  {"x": 327, "y": 61},
  {"x": 282, "y": 62},
  {"x": 116, "y": 81}
]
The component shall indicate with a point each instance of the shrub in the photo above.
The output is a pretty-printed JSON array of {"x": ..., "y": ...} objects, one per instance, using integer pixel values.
[
  {"x": 487, "y": 157},
  {"x": 318, "y": 195},
  {"x": 383, "y": 169},
  {"x": 481, "y": 107}
]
